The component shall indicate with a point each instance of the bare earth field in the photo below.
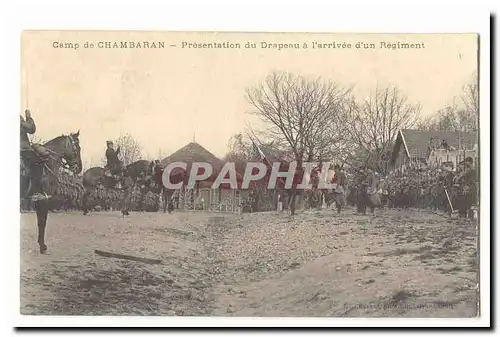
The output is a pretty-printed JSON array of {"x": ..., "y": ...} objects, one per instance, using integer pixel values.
[{"x": 394, "y": 264}]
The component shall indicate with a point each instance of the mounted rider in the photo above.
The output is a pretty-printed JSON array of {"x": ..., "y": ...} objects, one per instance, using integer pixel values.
[
  {"x": 114, "y": 167},
  {"x": 33, "y": 157}
]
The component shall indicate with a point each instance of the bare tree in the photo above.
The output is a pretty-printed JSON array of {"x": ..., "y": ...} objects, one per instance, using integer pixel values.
[
  {"x": 445, "y": 119},
  {"x": 238, "y": 149},
  {"x": 299, "y": 112},
  {"x": 468, "y": 115},
  {"x": 130, "y": 149},
  {"x": 373, "y": 124},
  {"x": 459, "y": 116},
  {"x": 428, "y": 123},
  {"x": 239, "y": 152}
]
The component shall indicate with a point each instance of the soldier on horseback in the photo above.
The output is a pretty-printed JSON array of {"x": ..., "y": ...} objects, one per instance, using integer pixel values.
[
  {"x": 114, "y": 167},
  {"x": 33, "y": 156}
]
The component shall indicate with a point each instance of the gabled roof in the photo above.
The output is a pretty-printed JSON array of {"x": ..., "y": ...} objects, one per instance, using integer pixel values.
[
  {"x": 417, "y": 142},
  {"x": 192, "y": 152}
]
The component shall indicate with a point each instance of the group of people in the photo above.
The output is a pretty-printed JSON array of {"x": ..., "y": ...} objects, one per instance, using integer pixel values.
[{"x": 444, "y": 187}]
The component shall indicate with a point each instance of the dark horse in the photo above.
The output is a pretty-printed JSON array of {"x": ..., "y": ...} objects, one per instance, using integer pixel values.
[
  {"x": 139, "y": 172},
  {"x": 64, "y": 152}
]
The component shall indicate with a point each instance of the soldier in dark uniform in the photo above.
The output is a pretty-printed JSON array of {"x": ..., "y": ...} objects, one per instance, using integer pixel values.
[
  {"x": 361, "y": 190},
  {"x": 114, "y": 165},
  {"x": 470, "y": 179},
  {"x": 33, "y": 157},
  {"x": 466, "y": 183},
  {"x": 157, "y": 169},
  {"x": 447, "y": 180},
  {"x": 157, "y": 174},
  {"x": 444, "y": 144}
]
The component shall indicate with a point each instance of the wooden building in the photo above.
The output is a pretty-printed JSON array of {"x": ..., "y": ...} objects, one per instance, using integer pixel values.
[
  {"x": 418, "y": 147},
  {"x": 202, "y": 196}
]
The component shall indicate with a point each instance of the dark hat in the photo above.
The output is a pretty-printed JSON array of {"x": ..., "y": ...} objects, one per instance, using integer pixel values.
[{"x": 109, "y": 142}]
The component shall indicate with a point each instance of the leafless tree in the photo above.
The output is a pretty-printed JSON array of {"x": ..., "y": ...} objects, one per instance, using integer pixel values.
[
  {"x": 239, "y": 152},
  {"x": 469, "y": 114},
  {"x": 446, "y": 119},
  {"x": 300, "y": 113},
  {"x": 428, "y": 123},
  {"x": 238, "y": 149},
  {"x": 241, "y": 148},
  {"x": 130, "y": 149},
  {"x": 373, "y": 123},
  {"x": 462, "y": 115}
]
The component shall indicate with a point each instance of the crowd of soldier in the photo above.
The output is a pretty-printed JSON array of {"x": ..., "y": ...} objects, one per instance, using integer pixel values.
[{"x": 443, "y": 188}]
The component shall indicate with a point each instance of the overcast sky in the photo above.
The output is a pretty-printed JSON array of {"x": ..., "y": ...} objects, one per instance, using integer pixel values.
[{"x": 163, "y": 97}]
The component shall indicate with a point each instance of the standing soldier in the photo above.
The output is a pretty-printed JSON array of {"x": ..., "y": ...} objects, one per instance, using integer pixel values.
[
  {"x": 467, "y": 188},
  {"x": 373, "y": 198},
  {"x": 157, "y": 175},
  {"x": 339, "y": 192},
  {"x": 448, "y": 187},
  {"x": 361, "y": 190},
  {"x": 471, "y": 183},
  {"x": 389, "y": 184}
]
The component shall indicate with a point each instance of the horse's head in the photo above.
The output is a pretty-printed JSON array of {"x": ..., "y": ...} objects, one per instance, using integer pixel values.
[
  {"x": 76, "y": 165},
  {"x": 68, "y": 147},
  {"x": 71, "y": 152}
]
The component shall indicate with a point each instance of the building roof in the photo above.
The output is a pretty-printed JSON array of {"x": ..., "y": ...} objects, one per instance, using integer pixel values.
[
  {"x": 192, "y": 152},
  {"x": 417, "y": 142}
]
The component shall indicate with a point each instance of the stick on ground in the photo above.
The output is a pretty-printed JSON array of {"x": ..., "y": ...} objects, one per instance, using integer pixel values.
[{"x": 127, "y": 257}]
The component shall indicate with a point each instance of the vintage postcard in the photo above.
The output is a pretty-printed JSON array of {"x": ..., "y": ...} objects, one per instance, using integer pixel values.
[{"x": 249, "y": 174}]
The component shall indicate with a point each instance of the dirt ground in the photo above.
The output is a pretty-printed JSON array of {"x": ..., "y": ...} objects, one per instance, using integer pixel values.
[{"x": 394, "y": 264}]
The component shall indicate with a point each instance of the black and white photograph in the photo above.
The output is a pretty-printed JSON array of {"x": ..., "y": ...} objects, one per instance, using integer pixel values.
[{"x": 231, "y": 174}]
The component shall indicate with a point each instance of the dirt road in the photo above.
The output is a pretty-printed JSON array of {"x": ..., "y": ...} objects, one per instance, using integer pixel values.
[{"x": 396, "y": 264}]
